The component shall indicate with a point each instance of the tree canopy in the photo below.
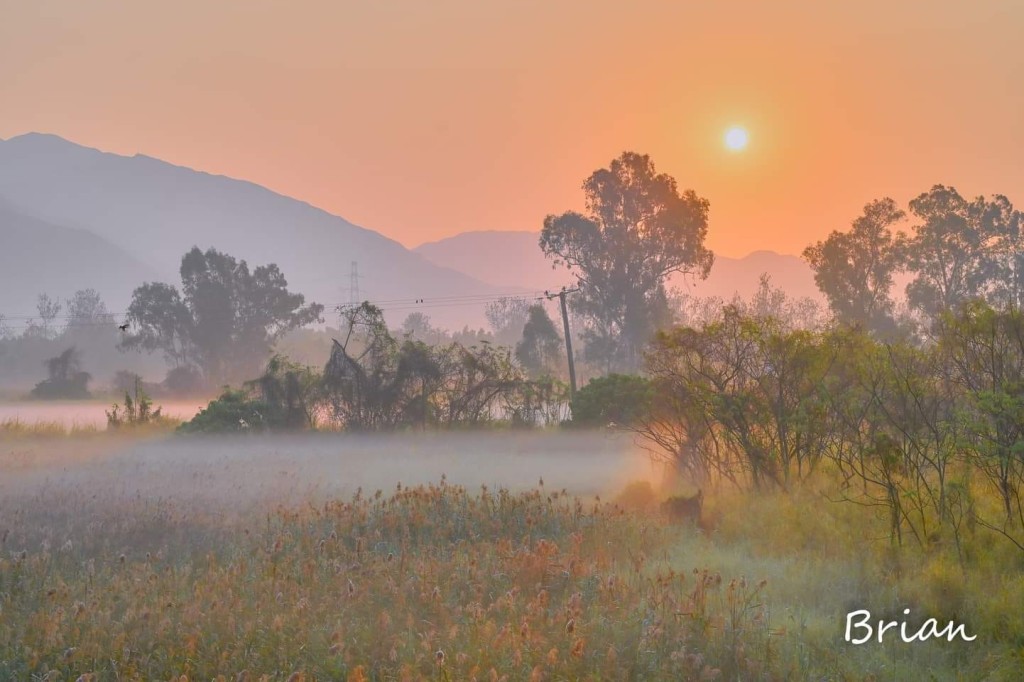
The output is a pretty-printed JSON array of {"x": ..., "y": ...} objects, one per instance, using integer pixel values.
[
  {"x": 637, "y": 230},
  {"x": 855, "y": 269},
  {"x": 224, "y": 319}
]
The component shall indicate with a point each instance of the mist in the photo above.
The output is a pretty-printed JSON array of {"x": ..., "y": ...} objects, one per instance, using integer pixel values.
[{"x": 234, "y": 473}]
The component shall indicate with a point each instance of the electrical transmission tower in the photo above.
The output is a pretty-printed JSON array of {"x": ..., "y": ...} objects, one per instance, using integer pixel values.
[{"x": 353, "y": 284}]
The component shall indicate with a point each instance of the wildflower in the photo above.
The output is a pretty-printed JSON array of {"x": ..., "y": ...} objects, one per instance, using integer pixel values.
[
  {"x": 577, "y": 648},
  {"x": 570, "y": 626}
]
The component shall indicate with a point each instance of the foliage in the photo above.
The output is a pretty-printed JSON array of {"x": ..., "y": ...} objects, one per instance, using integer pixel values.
[
  {"x": 638, "y": 230},
  {"x": 224, "y": 320},
  {"x": 956, "y": 248},
  {"x": 137, "y": 411},
  {"x": 958, "y": 251},
  {"x": 615, "y": 400},
  {"x": 87, "y": 325},
  {"x": 65, "y": 378},
  {"x": 374, "y": 382},
  {"x": 913, "y": 431},
  {"x": 506, "y": 317},
  {"x": 235, "y": 411},
  {"x": 855, "y": 269},
  {"x": 183, "y": 381},
  {"x": 48, "y": 310},
  {"x": 540, "y": 348},
  {"x": 285, "y": 398},
  {"x": 737, "y": 398},
  {"x": 86, "y": 311}
]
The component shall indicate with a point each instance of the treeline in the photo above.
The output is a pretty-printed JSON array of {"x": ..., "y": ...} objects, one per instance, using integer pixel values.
[
  {"x": 374, "y": 381},
  {"x": 933, "y": 433},
  {"x": 957, "y": 250},
  {"x": 61, "y": 350}
]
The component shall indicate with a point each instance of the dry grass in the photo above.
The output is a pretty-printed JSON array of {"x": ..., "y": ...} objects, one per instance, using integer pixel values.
[{"x": 437, "y": 582}]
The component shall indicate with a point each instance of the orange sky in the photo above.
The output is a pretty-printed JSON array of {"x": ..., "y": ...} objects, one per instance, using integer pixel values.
[{"x": 424, "y": 119}]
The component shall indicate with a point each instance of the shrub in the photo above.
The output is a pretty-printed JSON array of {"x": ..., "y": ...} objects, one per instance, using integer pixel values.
[{"x": 619, "y": 399}]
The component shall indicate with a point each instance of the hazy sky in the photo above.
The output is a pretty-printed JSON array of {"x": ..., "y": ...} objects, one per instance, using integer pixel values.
[{"x": 421, "y": 119}]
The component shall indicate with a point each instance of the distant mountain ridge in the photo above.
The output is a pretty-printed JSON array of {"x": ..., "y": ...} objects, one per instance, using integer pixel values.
[
  {"x": 514, "y": 259},
  {"x": 155, "y": 211},
  {"x": 38, "y": 257}
]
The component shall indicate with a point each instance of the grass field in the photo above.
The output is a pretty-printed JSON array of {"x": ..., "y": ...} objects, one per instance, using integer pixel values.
[{"x": 124, "y": 558}]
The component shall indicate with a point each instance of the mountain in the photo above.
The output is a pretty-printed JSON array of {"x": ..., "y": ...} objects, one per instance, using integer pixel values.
[
  {"x": 156, "y": 211},
  {"x": 38, "y": 257},
  {"x": 505, "y": 259},
  {"x": 514, "y": 259},
  {"x": 742, "y": 276}
]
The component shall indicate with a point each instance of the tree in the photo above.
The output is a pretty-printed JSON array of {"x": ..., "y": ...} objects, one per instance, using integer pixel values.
[
  {"x": 541, "y": 346},
  {"x": 373, "y": 382},
  {"x": 953, "y": 250},
  {"x": 854, "y": 270},
  {"x": 65, "y": 378},
  {"x": 506, "y": 317},
  {"x": 86, "y": 309},
  {"x": 418, "y": 326},
  {"x": 638, "y": 229},
  {"x": 225, "y": 319},
  {"x": 48, "y": 310},
  {"x": 618, "y": 400}
]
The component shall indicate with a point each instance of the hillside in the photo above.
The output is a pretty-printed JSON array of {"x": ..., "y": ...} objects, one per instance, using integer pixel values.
[
  {"x": 156, "y": 211},
  {"x": 39, "y": 257}
]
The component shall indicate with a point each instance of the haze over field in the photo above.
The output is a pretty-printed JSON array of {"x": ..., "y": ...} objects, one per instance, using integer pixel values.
[{"x": 239, "y": 473}]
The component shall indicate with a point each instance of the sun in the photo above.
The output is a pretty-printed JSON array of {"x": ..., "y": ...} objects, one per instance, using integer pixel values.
[{"x": 736, "y": 138}]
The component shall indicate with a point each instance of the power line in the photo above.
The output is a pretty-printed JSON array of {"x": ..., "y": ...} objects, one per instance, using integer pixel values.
[{"x": 388, "y": 305}]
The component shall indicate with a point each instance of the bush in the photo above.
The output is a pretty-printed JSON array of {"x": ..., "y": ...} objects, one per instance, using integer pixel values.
[
  {"x": 184, "y": 381},
  {"x": 617, "y": 399},
  {"x": 232, "y": 412},
  {"x": 65, "y": 380}
]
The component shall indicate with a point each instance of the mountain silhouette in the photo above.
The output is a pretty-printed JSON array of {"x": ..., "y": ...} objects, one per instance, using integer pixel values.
[
  {"x": 155, "y": 211},
  {"x": 514, "y": 259},
  {"x": 38, "y": 257}
]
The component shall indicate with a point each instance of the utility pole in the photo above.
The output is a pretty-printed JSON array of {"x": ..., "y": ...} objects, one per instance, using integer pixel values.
[{"x": 568, "y": 338}]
